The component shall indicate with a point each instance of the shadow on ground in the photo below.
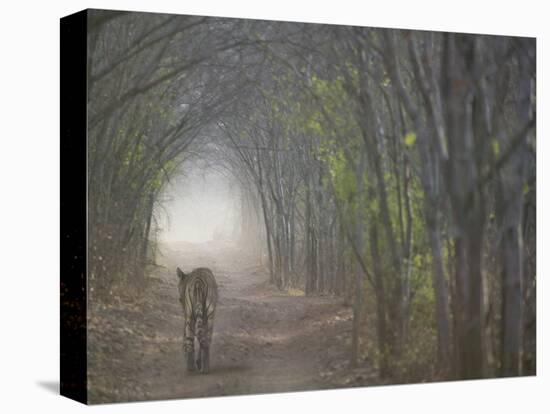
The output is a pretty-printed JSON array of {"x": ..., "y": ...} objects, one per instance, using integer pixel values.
[{"x": 51, "y": 386}]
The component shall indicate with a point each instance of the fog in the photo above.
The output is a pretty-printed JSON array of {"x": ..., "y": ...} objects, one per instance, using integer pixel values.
[{"x": 200, "y": 206}]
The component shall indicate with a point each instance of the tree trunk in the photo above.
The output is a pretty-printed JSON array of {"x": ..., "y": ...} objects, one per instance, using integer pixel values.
[
  {"x": 381, "y": 331},
  {"x": 441, "y": 294}
]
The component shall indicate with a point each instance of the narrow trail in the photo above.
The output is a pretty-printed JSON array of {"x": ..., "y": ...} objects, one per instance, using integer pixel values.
[{"x": 264, "y": 340}]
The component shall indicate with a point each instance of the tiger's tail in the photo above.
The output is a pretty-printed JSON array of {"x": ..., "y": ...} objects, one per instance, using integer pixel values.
[
  {"x": 204, "y": 342},
  {"x": 201, "y": 327}
]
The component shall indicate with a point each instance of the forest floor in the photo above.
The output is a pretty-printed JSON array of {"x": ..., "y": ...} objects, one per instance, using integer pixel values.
[{"x": 264, "y": 340}]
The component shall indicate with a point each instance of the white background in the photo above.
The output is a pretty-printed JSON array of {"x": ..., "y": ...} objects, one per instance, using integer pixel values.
[{"x": 29, "y": 206}]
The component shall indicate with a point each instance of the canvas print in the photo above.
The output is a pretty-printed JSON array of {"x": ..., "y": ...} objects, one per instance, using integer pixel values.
[{"x": 279, "y": 206}]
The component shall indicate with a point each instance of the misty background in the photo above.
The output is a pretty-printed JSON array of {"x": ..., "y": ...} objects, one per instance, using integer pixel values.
[{"x": 200, "y": 206}]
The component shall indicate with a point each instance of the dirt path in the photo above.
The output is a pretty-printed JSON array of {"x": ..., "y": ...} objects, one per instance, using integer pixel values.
[{"x": 264, "y": 340}]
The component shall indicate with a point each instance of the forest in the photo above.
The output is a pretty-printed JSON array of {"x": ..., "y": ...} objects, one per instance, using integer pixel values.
[{"x": 392, "y": 170}]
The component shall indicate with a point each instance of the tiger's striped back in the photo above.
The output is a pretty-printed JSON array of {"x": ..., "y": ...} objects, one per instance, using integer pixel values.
[{"x": 199, "y": 294}]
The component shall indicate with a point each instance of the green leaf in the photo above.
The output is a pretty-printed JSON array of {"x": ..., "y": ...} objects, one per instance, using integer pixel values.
[
  {"x": 410, "y": 139},
  {"x": 496, "y": 147}
]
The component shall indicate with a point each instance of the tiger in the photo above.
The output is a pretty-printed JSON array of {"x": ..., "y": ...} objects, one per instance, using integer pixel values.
[{"x": 198, "y": 295}]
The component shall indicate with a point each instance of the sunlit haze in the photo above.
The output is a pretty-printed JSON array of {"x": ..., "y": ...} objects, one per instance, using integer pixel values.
[{"x": 201, "y": 206}]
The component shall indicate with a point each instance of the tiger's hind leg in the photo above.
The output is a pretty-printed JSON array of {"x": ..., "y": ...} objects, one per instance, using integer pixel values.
[
  {"x": 203, "y": 362},
  {"x": 189, "y": 345},
  {"x": 205, "y": 347},
  {"x": 204, "y": 333}
]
